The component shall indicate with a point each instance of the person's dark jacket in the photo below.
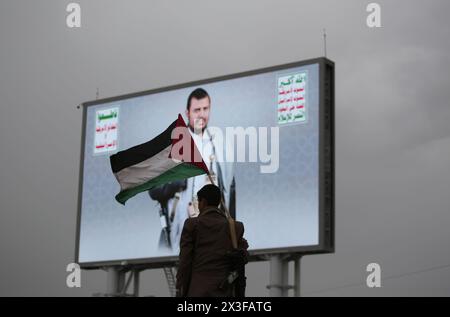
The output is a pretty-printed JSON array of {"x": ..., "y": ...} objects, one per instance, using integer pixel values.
[{"x": 204, "y": 245}]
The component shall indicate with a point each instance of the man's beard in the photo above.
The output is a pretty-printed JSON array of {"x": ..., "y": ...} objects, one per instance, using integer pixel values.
[{"x": 197, "y": 130}]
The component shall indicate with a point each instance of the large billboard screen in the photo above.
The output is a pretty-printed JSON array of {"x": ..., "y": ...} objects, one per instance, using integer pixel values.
[{"x": 267, "y": 137}]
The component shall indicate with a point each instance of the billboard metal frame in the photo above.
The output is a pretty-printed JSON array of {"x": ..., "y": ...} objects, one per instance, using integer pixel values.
[{"x": 326, "y": 167}]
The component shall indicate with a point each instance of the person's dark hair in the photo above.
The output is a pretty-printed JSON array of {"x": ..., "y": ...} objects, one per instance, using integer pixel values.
[
  {"x": 198, "y": 94},
  {"x": 211, "y": 193}
]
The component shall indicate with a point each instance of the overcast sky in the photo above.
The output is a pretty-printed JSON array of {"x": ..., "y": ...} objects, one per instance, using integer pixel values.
[{"x": 392, "y": 126}]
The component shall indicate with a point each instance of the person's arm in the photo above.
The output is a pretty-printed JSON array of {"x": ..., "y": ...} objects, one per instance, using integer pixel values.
[
  {"x": 185, "y": 258},
  {"x": 242, "y": 242},
  {"x": 241, "y": 281}
]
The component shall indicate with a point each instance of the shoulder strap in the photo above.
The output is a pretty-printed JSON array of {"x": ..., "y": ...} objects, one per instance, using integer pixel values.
[
  {"x": 232, "y": 225},
  {"x": 231, "y": 222}
]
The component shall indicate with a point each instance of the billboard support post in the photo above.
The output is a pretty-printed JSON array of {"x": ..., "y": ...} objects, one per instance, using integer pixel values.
[
  {"x": 297, "y": 276},
  {"x": 136, "y": 283},
  {"x": 115, "y": 281},
  {"x": 284, "y": 277},
  {"x": 279, "y": 276},
  {"x": 275, "y": 276}
]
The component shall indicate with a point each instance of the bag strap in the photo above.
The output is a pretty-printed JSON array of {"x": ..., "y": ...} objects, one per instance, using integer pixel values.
[
  {"x": 231, "y": 221},
  {"x": 232, "y": 225}
]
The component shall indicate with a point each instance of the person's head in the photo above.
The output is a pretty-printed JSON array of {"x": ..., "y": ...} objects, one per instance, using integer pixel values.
[
  {"x": 208, "y": 196},
  {"x": 197, "y": 109}
]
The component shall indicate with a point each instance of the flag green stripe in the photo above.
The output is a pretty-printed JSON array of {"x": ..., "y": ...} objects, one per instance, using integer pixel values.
[
  {"x": 180, "y": 171},
  {"x": 144, "y": 171}
]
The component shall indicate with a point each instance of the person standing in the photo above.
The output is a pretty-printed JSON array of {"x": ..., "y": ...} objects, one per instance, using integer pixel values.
[{"x": 205, "y": 248}]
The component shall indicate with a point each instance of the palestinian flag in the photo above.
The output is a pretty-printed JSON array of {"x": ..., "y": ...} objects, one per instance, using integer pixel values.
[{"x": 170, "y": 156}]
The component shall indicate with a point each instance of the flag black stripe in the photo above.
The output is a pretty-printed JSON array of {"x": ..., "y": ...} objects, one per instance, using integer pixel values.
[
  {"x": 141, "y": 152},
  {"x": 181, "y": 171}
]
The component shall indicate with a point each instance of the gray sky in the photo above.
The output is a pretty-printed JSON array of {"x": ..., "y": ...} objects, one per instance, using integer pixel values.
[{"x": 392, "y": 131}]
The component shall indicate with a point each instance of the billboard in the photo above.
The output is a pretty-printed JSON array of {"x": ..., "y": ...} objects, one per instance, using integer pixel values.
[{"x": 266, "y": 135}]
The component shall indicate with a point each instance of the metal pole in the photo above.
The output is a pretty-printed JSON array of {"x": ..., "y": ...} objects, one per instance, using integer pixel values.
[
  {"x": 297, "y": 276},
  {"x": 284, "y": 278},
  {"x": 136, "y": 283},
  {"x": 115, "y": 281},
  {"x": 276, "y": 276}
]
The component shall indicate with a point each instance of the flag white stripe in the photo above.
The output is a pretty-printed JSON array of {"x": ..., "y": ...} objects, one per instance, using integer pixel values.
[{"x": 146, "y": 170}]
